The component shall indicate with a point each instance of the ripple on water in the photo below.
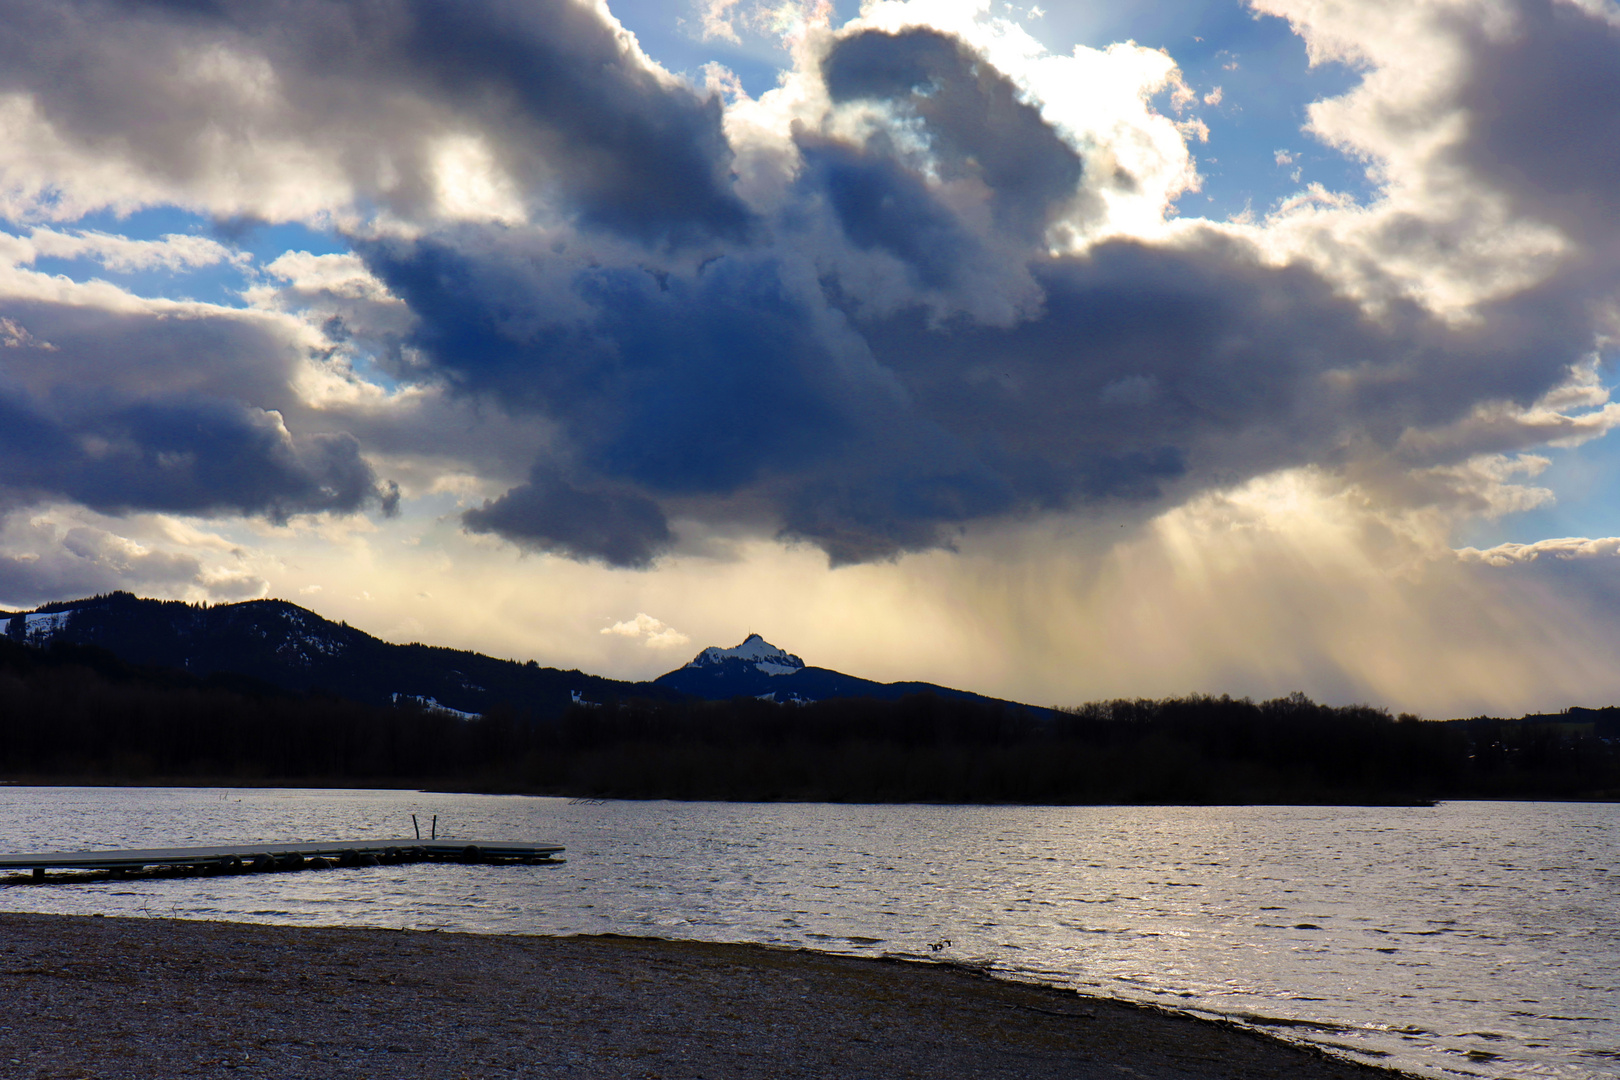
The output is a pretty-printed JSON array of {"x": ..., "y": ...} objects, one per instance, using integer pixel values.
[{"x": 1466, "y": 939}]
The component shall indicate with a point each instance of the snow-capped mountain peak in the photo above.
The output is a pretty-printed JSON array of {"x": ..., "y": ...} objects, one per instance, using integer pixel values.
[{"x": 754, "y": 650}]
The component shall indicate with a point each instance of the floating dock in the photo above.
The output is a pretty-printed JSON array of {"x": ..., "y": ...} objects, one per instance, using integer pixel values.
[{"x": 245, "y": 858}]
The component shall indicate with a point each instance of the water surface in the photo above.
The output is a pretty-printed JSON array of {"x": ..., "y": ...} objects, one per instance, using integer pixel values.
[{"x": 1468, "y": 939}]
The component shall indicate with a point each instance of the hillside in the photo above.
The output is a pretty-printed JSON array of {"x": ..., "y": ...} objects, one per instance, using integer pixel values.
[
  {"x": 116, "y": 689},
  {"x": 295, "y": 649}
]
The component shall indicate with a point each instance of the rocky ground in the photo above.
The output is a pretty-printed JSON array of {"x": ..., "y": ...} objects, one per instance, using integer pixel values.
[{"x": 157, "y": 998}]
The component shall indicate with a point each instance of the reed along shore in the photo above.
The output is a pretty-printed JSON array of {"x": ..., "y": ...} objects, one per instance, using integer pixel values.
[{"x": 114, "y": 997}]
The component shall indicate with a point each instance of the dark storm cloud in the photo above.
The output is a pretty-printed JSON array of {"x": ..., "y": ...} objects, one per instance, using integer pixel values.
[
  {"x": 125, "y": 354},
  {"x": 1546, "y": 128},
  {"x": 1146, "y": 356},
  {"x": 1147, "y": 370},
  {"x": 976, "y": 125},
  {"x": 550, "y": 514},
  {"x": 179, "y": 455},
  {"x": 1151, "y": 371},
  {"x": 634, "y": 155},
  {"x": 863, "y": 511},
  {"x": 688, "y": 385},
  {"x": 556, "y": 93},
  {"x": 560, "y": 98},
  {"x": 883, "y": 353},
  {"x": 881, "y": 204},
  {"x": 129, "y": 411},
  {"x": 1147, "y": 365}
]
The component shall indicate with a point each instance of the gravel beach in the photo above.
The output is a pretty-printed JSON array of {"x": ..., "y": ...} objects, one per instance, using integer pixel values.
[{"x": 105, "y": 997}]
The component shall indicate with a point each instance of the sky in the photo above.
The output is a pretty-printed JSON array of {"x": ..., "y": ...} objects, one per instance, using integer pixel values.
[{"x": 1057, "y": 352}]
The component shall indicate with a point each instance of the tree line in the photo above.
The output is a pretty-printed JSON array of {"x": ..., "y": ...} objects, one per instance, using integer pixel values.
[{"x": 78, "y": 714}]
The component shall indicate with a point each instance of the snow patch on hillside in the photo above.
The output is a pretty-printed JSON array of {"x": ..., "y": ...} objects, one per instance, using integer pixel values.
[
  {"x": 432, "y": 705},
  {"x": 302, "y": 639},
  {"x": 44, "y": 627},
  {"x": 791, "y": 699},
  {"x": 37, "y": 628}
]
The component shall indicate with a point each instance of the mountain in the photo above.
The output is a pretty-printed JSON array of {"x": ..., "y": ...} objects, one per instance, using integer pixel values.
[
  {"x": 290, "y": 647},
  {"x": 758, "y": 669},
  {"x": 747, "y": 670}
]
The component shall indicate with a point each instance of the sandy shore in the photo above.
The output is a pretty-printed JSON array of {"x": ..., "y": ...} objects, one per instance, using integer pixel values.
[{"x": 157, "y": 998}]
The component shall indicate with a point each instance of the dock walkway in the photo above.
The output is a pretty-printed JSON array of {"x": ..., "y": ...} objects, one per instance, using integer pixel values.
[{"x": 248, "y": 856}]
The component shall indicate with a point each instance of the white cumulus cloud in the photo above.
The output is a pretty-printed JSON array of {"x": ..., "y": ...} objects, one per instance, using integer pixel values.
[{"x": 654, "y": 633}]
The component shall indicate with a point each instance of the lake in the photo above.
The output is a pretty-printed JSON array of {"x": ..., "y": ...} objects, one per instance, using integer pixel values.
[{"x": 1467, "y": 939}]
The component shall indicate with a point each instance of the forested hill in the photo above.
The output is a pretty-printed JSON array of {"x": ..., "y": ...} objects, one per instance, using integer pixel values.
[
  {"x": 118, "y": 689},
  {"x": 76, "y": 713},
  {"x": 1577, "y": 720},
  {"x": 293, "y": 648}
]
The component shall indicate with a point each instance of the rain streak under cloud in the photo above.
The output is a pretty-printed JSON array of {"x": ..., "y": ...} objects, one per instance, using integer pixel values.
[{"x": 917, "y": 356}]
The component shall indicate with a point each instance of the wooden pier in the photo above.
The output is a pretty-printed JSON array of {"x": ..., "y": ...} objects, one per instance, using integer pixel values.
[{"x": 245, "y": 858}]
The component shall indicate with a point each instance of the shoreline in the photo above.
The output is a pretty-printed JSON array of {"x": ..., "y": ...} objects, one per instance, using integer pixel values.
[
  {"x": 95, "y": 996},
  {"x": 439, "y": 787}
]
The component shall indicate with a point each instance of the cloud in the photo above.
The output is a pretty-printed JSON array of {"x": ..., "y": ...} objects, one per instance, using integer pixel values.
[
  {"x": 1465, "y": 116},
  {"x": 173, "y": 252},
  {"x": 294, "y": 108},
  {"x": 188, "y": 456},
  {"x": 977, "y": 128},
  {"x": 1295, "y": 579},
  {"x": 1531, "y": 91},
  {"x": 657, "y": 635},
  {"x": 907, "y": 354},
  {"x": 129, "y": 404},
  {"x": 717, "y": 21},
  {"x": 1564, "y": 549},
  {"x": 51, "y": 556},
  {"x": 130, "y": 411},
  {"x": 13, "y": 336},
  {"x": 931, "y": 283},
  {"x": 550, "y": 514}
]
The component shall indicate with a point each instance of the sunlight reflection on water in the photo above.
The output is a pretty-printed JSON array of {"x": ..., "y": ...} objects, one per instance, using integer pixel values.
[{"x": 1467, "y": 939}]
